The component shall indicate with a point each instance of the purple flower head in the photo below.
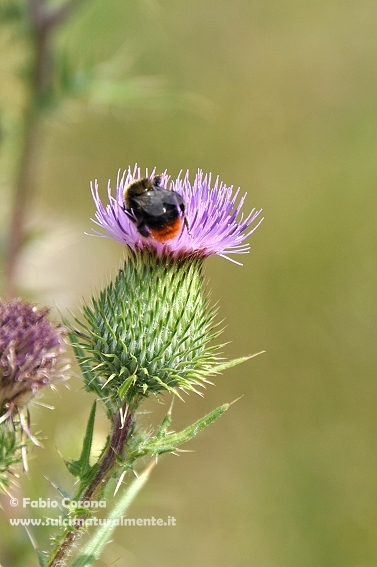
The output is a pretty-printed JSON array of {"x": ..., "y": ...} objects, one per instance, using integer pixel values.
[
  {"x": 214, "y": 223},
  {"x": 30, "y": 347}
]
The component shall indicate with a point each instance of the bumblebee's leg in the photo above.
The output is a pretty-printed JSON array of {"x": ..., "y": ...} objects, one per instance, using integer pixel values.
[
  {"x": 185, "y": 221},
  {"x": 157, "y": 180},
  {"x": 143, "y": 229}
]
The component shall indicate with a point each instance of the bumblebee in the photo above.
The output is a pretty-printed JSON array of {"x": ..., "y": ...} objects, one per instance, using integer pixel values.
[{"x": 157, "y": 212}]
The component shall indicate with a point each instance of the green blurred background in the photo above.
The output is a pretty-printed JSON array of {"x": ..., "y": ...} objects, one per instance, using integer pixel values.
[{"x": 279, "y": 98}]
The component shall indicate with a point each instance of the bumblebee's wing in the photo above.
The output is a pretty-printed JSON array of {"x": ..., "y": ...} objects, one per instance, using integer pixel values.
[{"x": 158, "y": 201}]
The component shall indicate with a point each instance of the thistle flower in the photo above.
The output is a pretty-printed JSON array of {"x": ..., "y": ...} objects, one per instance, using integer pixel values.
[
  {"x": 150, "y": 330},
  {"x": 215, "y": 222},
  {"x": 30, "y": 347}
]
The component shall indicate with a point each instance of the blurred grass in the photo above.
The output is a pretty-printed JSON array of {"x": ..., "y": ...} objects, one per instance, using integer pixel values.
[{"x": 287, "y": 477}]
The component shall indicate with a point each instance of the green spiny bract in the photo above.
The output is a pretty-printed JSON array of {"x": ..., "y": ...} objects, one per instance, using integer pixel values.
[
  {"x": 149, "y": 330},
  {"x": 10, "y": 451}
]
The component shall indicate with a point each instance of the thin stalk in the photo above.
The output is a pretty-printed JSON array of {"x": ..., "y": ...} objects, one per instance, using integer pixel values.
[
  {"x": 43, "y": 20},
  {"x": 107, "y": 466},
  {"x": 94, "y": 547}
]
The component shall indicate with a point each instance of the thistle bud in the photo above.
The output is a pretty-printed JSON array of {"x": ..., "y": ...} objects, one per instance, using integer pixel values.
[{"x": 149, "y": 330}]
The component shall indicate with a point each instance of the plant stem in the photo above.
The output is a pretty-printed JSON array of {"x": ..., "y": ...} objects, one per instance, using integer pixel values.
[
  {"x": 107, "y": 466},
  {"x": 42, "y": 22},
  {"x": 93, "y": 548}
]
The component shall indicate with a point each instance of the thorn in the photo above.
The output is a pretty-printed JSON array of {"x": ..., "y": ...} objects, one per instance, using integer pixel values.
[
  {"x": 107, "y": 382},
  {"x": 31, "y": 539},
  {"x": 56, "y": 487},
  {"x": 6, "y": 415},
  {"x": 119, "y": 482},
  {"x": 256, "y": 354},
  {"x": 54, "y": 389},
  {"x": 43, "y": 405},
  {"x": 25, "y": 427},
  {"x": 234, "y": 401},
  {"x": 170, "y": 410},
  {"x": 147, "y": 471},
  {"x": 115, "y": 561},
  {"x": 123, "y": 416}
]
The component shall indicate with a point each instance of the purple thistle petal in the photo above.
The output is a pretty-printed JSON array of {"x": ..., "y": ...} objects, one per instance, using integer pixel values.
[
  {"x": 30, "y": 352},
  {"x": 216, "y": 223}
]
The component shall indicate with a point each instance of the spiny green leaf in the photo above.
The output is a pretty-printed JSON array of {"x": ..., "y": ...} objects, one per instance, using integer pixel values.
[
  {"x": 81, "y": 467},
  {"x": 166, "y": 442}
]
